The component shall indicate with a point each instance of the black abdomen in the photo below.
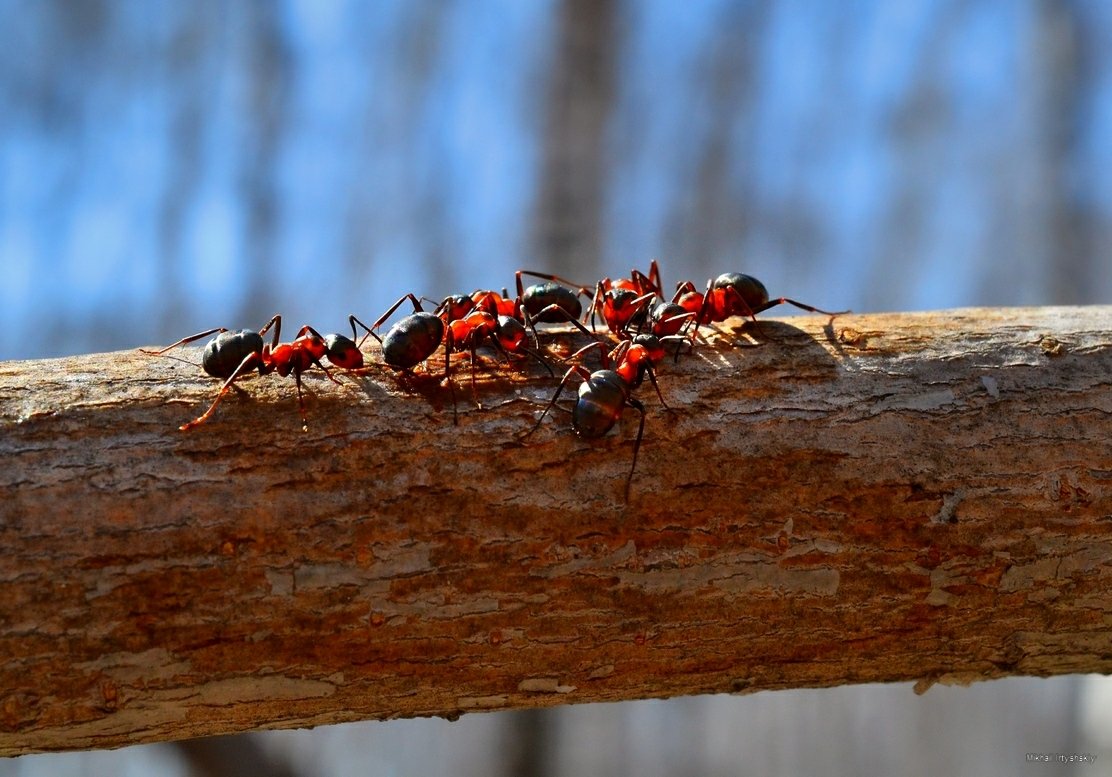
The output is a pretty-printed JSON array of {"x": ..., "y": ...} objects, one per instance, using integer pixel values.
[{"x": 227, "y": 350}]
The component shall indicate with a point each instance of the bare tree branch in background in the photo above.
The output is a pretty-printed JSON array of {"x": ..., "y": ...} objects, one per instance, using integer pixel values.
[
  {"x": 1064, "y": 82},
  {"x": 711, "y": 217},
  {"x": 268, "y": 72},
  {"x": 188, "y": 74},
  {"x": 569, "y": 219},
  {"x": 529, "y": 736},
  {"x": 232, "y": 756}
]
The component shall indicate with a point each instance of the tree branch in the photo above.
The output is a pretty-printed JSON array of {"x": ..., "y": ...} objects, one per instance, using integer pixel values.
[{"x": 892, "y": 497}]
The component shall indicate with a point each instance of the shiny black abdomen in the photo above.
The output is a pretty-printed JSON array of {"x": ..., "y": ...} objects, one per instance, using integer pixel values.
[
  {"x": 412, "y": 340},
  {"x": 538, "y": 297},
  {"x": 602, "y": 398},
  {"x": 748, "y": 288},
  {"x": 225, "y": 352}
]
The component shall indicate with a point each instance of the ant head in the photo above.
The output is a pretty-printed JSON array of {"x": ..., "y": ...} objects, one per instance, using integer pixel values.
[
  {"x": 653, "y": 347},
  {"x": 455, "y": 306},
  {"x": 618, "y": 298}
]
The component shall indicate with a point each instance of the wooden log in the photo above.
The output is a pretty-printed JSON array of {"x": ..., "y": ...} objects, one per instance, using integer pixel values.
[{"x": 881, "y": 498}]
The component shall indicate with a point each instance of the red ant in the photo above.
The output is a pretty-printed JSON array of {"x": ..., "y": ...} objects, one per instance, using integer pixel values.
[
  {"x": 733, "y": 294},
  {"x": 606, "y": 393},
  {"x": 459, "y": 322},
  {"x": 489, "y": 316},
  {"x": 637, "y": 302},
  {"x": 556, "y": 301},
  {"x": 506, "y": 333},
  {"x": 231, "y": 355}
]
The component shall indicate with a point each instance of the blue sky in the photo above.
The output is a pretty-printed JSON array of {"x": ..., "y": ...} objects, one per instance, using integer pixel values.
[{"x": 166, "y": 168}]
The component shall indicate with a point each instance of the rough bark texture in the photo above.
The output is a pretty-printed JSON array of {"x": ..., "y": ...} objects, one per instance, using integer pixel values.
[{"x": 889, "y": 497}]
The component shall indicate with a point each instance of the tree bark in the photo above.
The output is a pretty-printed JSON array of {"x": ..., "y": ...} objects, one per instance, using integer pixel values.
[{"x": 881, "y": 498}]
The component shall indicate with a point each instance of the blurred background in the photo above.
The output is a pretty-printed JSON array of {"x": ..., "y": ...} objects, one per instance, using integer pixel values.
[{"x": 168, "y": 167}]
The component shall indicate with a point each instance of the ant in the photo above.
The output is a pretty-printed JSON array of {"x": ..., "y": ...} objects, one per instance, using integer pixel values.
[
  {"x": 232, "y": 354},
  {"x": 416, "y": 337},
  {"x": 637, "y": 301},
  {"x": 488, "y": 315},
  {"x": 549, "y": 302},
  {"x": 505, "y": 332},
  {"x": 459, "y": 322},
  {"x": 604, "y": 394},
  {"x": 556, "y": 301},
  {"x": 733, "y": 294}
]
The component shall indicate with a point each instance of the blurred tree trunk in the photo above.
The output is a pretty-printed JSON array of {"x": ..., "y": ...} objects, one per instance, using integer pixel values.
[
  {"x": 1064, "y": 86},
  {"x": 268, "y": 71},
  {"x": 232, "y": 756},
  {"x": 569, "y": 217}
]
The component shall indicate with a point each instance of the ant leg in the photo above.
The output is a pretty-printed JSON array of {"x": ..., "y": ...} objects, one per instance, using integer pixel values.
[
  {"x": 275, "y": 322},
  {"x": 636, "y": 443},
  {"x": 521, "y": 348},
  {"x": 554, "y": 308},
  {"x": 683, "y": 318},
  {"x": 307, "y": 329},
  {"x": 449, "y": 345},
  {"x": 544, "y": 362},
  {"x": 354, "y": 334},
  {"x": 638, "y": 306},
  {"x": 652, "y": 379},
  {"x": 576, "y": 369},
  {"x": 529, "y": 322},
  {"x": 301, "y": 401},
  {"x": 685, "y": 287},
  {"x": 647, "y": 283},
  {"x": 327, "y": 372},
  {"x": 739, "y": 304},
  {"x": 416, "y": 309},
  {"x": 702, "y": 318},
  {"x": 184, "y": 341},
  {"x": 474, "y": 389},
  {"x": 597, "y": 344},
  {"x": 735, "y": 302},
  {"x": 801, "y": 306},
  {"x": 249, "y": 363},
  {"x": 619, "y": 352},
  {"x": 601, "y": 344},
  {"x": 595, "y": 302},
  {"x": 679, "y": 339}
]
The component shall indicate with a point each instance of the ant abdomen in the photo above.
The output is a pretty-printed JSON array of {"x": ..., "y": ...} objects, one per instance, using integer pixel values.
[
  {"x": 225, "y": 352},
  {"x": 538, "y": 298},
  {"x": 751, "y": 290},
  {"x": 412, "y": 340},
  {"x": 602, "y": 398}
]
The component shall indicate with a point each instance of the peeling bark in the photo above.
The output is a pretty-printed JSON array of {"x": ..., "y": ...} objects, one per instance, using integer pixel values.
[{"x": 891, "y": 497}]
